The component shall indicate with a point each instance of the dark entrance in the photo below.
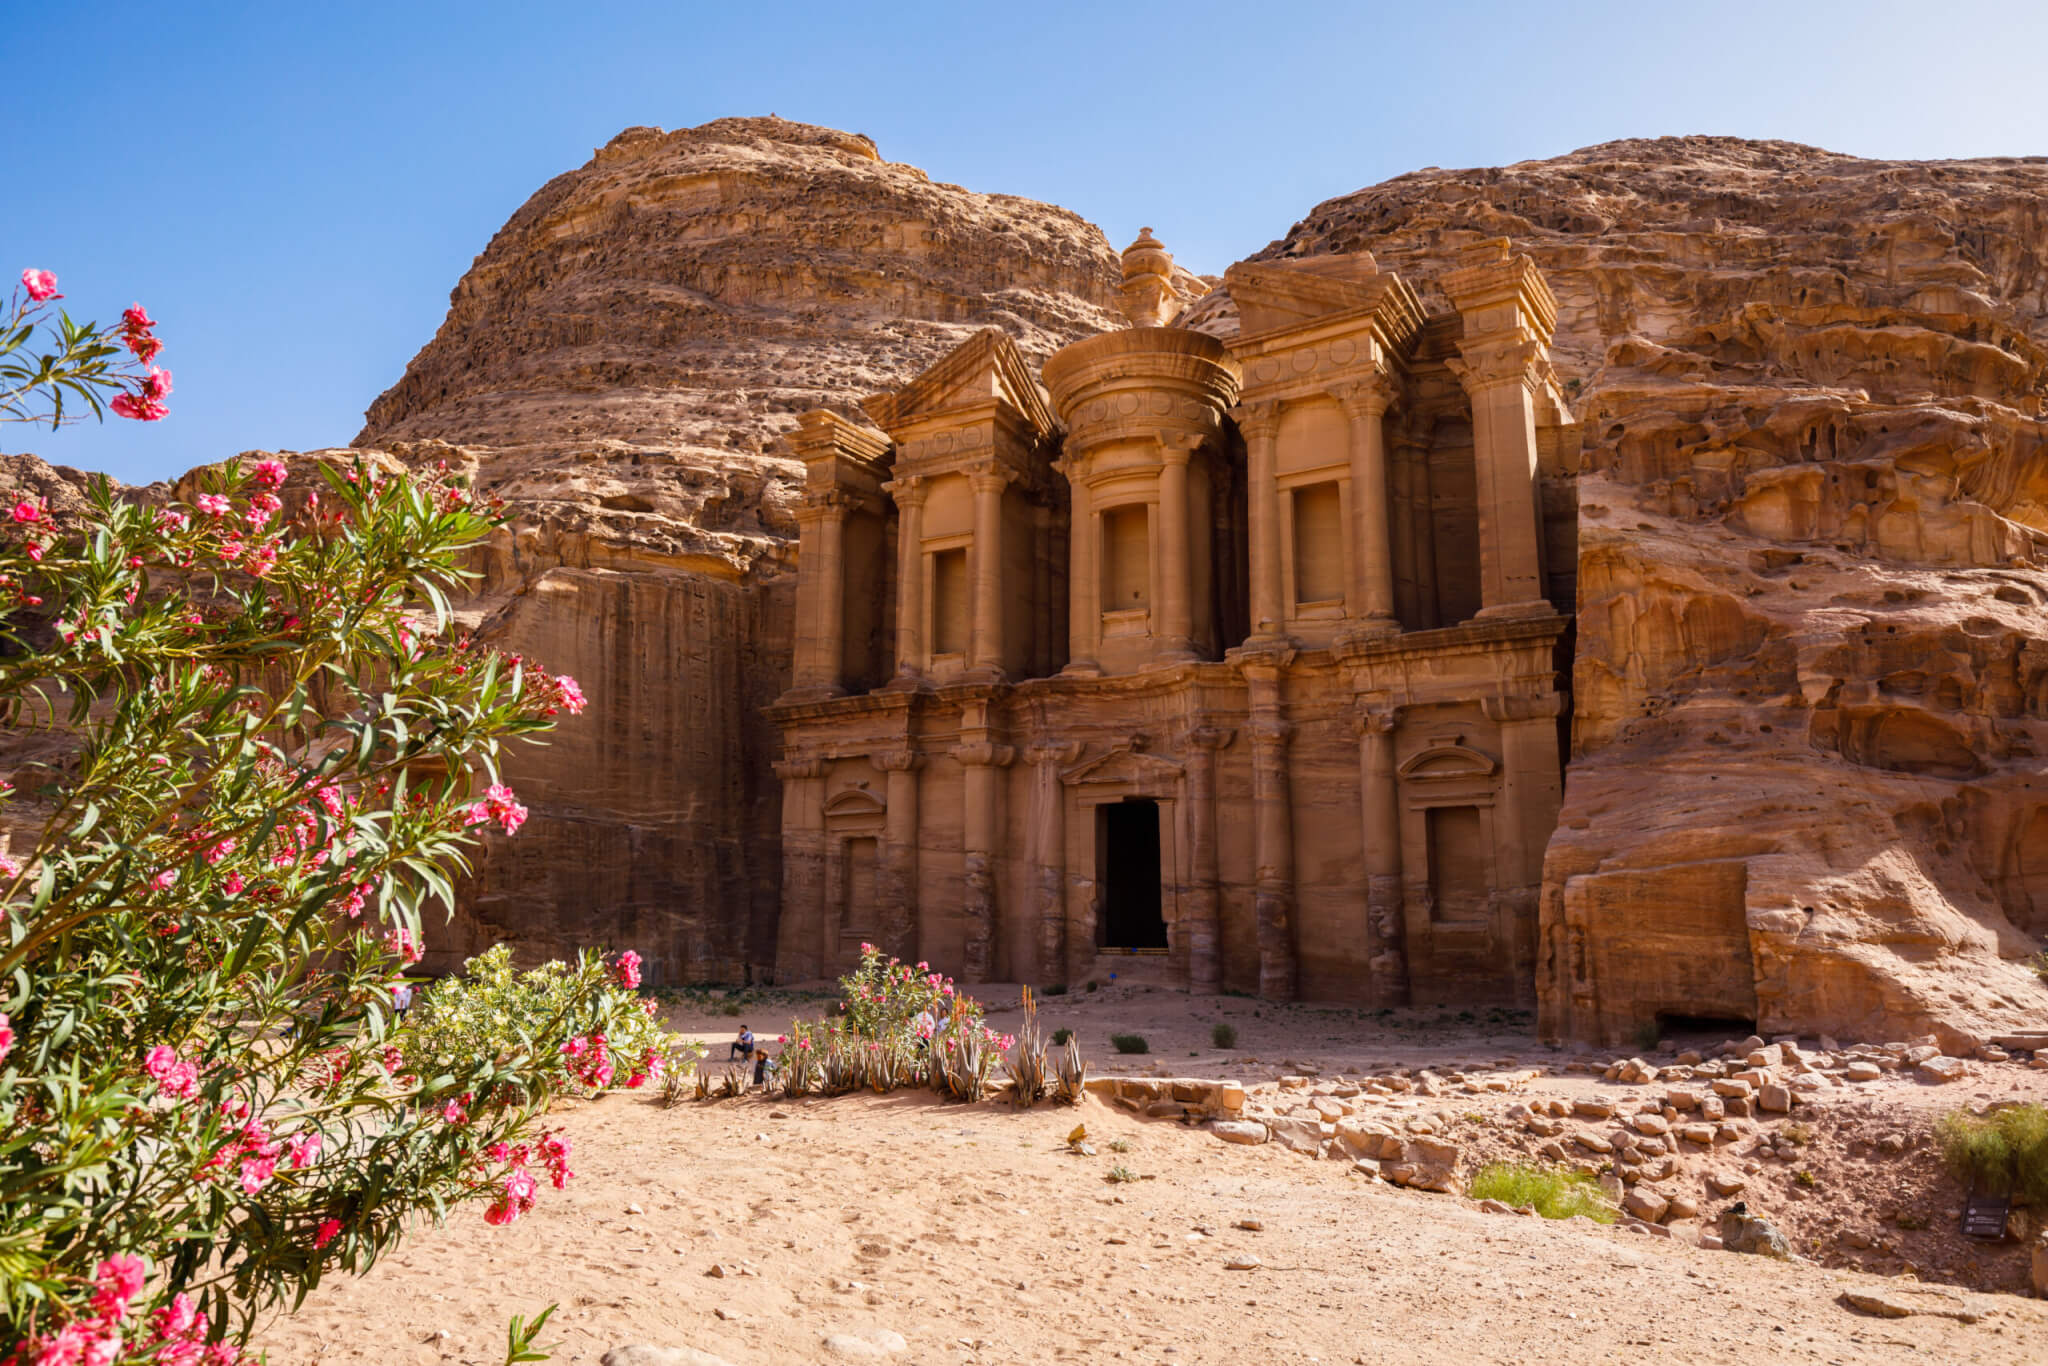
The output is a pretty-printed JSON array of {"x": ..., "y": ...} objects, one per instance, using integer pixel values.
[{"x": 1127, "y": 833}]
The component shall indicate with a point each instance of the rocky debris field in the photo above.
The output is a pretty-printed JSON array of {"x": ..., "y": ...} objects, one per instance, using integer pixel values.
[{"x": 896, "y": 1227}]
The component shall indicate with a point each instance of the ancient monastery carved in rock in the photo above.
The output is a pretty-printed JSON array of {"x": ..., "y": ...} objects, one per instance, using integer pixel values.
[{"x": 1226, "y": 665}]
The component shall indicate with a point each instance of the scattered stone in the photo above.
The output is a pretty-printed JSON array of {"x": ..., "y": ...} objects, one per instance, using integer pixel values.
[
  {"x": 1591, "y": 1141},
  {"x": 1725, "y": 1184},
  {"x": 717, "y": 1272},
  {"x": 1702, "y": 1134},
  {"x": 1246, "y": 1263},
  {"x": 1774, "y": 1097},
  {"x": 1904, "y": 1301},
  {"x": 1645, "y": 1203},
  {"x": 882, "y": 1344},
  {"x": 1681, "y": 1207},
  {"x": 1732, "y": 1088},
  {"x": 2040, "y": 1266},
  {"x": 1653, "y": 1124},
  {"x": 1940, "y": 1070},
  {"x": 1250, "y": 1225},
  {"x": 1863, "y": 1071},
  {"x": 1743, "y": 1232},
  {"x": 1239, "y": 1131},
  {"x": 1593, "y": 1107},
  {"x": 646, "y": 1354}
]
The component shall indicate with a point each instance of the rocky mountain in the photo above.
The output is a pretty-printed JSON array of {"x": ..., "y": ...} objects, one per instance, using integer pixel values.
[
  {"x": 1806, "y": 784},
  {"x": 618, "y": 364}
]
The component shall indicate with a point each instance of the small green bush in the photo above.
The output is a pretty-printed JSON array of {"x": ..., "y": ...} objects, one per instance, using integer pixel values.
[
  {"x": 1060, "y": 1036},
  {"x": 1224, "y": 1035},
  {"x": 1119, "y": 1175},
  {"x": 1129, "y": 1043},
  {"x": 1056, "y": 989},
  {"x": 1119, "y": 1145},
  {"x": 732, "y": 1008},
  {"x": 2003, "y": 1153},
  {"x": 1647, "y": 1035},
  {"x": 1095, "y": 986},
  {"x": 1553, "y": 1192}
]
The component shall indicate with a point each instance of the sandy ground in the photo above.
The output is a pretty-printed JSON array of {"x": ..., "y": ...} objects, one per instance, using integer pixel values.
[{"x": 975, "y": 1234}]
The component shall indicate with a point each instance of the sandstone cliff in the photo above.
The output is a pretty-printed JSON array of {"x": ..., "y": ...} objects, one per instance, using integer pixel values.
[
  {"x": 1810, "y": 695},
  {"x": 619, "y": 364}
]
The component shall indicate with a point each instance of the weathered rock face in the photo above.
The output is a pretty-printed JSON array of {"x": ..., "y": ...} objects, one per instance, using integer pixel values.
[
  {"x": 1810, "y": 695},
  {"x": 619, "y": 364}
]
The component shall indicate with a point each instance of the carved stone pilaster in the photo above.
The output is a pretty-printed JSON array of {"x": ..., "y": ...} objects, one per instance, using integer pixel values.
[
  {"x": 1204, "y": 922},
  {"x": 899, "y": 873},
  {"x": 983, "y": 762},
  {"x": 1385, "y": 911},
  {"x": 1048, "y": 835}
]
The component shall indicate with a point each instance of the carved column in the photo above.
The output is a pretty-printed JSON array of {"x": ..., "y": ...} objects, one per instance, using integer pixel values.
[
  {"x": 1372, "y": 591},
  {"x": 1507, "y": 314},
  {"x": 797, "y": 956},
  {"x": 910, "y": 659},
  {"x": 1385, "y": 914},
  {"x": 1272, "y": 826},
  {"x": 1204, "y": 927},
  {"x": 1260, "y": 423},
  {"x": 1049, "y": 854},
  {"x": 1176, "y": 635},
  {"x": 900, "y": 924},
  {"x": 821, "y": 592},
  {"x": 983, "y": 765},
  {"x": 1531, "y": 791},
  {"x": 1084, "y": 579},
  {"x": 1420, "y": 527},
  {"x": 986, "y": 642}
]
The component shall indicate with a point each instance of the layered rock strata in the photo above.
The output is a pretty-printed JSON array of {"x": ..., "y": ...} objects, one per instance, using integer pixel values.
[
  {"x": 1810, "y": 695},
  {"x": 621, "y": 364}
]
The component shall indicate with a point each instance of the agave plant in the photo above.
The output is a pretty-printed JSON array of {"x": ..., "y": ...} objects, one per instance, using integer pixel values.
[
  {"x": 679, "y": 1083},
  {"x": 1070, "y": 1074},
  {"x": 1026, "y": 1063}
]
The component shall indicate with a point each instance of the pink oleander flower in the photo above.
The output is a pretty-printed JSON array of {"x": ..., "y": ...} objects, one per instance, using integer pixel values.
[
  {"x": 212, "y": 504},
  {"x": 136, "y": 317},
  {"x": 324, "y": 1235},
  {"x": 400, "y": 941},
  {"x": 164, "y": 880},
  {"x": 219, "y": 850},
  {"x": 629, "y": 969},
  {"x": 119, "y": 1279},
  {"x": 139, "y": 407},
  {"x": 135, "y": 334},
  {"x": 8, "y": 867},
  {"x": 156, "y": 384},
  {"x": 233, "y": 884},
  {"x": 571, "y": 694},
  {"x": 28, "y": 510},
  {"x": 40, "y": 284},
  {"x": 269, "y": 473},
  {"x": 6, "y": 1038},
  {"x": 304, "y": 1148},
  {"x": 257, "y": 1170},
  {"x": 500, "y": 805}
]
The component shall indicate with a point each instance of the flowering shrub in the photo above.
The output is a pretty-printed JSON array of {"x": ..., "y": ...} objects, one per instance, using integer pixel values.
[
  {"x": 612, "y": 1036},
  {"x": 885, "y": 997},
  {"x": 899, "y": 1026},
  {"x": 86, "y": 363},
  {"x": 252, "y": 780}
]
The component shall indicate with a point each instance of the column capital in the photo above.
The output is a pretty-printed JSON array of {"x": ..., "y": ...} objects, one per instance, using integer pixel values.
[
  {"x": 1494, "y": 361},
  {"x": 982, "y": 754},
  {"x": 1269, "y": 735},
  {"x": 819, "y": 502},
  {"x": 1375, "y": 719},
  {"x": 1054, "y": 752},
  {"x": 1521, "y": 707},
  {"x": 1178, "y": 449},
  {"x": 897, "y": 760},
  {"x": 1364, "y": 397},
  {"x": 801, "y": 765},
  {"x": 908, "y": 491},
  {"x": 990, "y": 477},
  {"x": 1259, "y": 420},
  {"x": 1211, "y": 738}
]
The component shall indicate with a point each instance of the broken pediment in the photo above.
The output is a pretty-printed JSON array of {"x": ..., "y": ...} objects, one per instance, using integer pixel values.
[
  {"x": 1448, "y": 761},
  {"x": 853, "y": 802},
  {"x": 1125, "y": 764},
  {"x": 985, "y": 369},
  {"x": 1276, "y": 296}
]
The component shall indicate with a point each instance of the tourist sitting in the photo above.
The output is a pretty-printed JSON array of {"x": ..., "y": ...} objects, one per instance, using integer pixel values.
[
  {"x": 760, "y": 1066},
  {"x": 743, "y": 1046}
]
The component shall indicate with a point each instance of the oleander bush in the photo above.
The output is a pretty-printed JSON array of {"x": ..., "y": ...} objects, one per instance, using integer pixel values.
[
  {"x": 1129, "y": 1043},
  {"x": 247, "y": 763}
]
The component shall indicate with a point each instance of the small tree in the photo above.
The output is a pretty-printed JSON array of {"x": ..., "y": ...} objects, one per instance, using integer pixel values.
[{"x": 253, "y": 755}]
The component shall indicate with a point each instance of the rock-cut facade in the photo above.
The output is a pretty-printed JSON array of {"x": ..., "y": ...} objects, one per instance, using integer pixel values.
[{"x": 1231, "y": 664}]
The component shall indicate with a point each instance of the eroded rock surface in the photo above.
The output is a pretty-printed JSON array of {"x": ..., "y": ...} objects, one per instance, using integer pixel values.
[
  {"x": 1810, "y": 696},
  {"x": 620, "y": 364}
]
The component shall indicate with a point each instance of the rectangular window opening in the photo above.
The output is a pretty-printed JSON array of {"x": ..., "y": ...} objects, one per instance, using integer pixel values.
[
  {"x": 1126, "y": 559},
  {"x": 1318, "y": 543},
  {"x": 949, "y": 601}
]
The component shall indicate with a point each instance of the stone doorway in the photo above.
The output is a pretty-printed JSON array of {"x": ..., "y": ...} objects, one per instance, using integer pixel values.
[{"x": 1127, "y": 845}]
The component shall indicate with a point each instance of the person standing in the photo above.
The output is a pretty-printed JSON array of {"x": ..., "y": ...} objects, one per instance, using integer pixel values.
[{"x": 401, "y": 1000}]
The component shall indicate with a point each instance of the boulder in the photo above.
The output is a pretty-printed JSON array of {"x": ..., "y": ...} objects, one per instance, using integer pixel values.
[
  {"x": 1743, "y": 1232},
  {"x": 1941, "y": 1070},
  {"x": 1239, "y": 1131}
]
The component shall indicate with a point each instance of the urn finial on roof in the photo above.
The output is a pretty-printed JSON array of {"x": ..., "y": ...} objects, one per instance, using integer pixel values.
[{"x": 1147, "y": 292}]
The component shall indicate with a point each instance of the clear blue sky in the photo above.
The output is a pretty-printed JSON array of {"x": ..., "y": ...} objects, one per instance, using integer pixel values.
[{"x": 293, "y": 188}]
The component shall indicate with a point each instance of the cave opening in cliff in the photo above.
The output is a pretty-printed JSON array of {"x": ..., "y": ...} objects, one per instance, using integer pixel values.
[
  {"x": 1127, "y": 838},
  {"x": 1717, "y": 1027}
]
